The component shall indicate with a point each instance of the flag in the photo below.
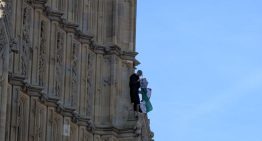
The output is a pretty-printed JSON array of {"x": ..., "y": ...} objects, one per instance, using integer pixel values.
[{"x": 145, "y": 104}]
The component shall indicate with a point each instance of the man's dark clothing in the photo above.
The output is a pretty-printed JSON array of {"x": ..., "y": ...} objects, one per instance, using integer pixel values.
[{"x": 134, "y": 85}]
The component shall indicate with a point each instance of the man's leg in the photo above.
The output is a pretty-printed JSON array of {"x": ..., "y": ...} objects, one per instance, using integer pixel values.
[{"x": 135, "y": 107}]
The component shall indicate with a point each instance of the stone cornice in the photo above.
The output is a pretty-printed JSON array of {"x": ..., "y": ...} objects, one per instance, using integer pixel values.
[
  {"x": 38, "y": 1},
  {"x": 38, "y": 92},
  {"x": 16, "y": 79},
  {"x": 99, "y": 49},
  {"x": 128, "y": 55},
  {"x": 83, "y": 38},
  {"x": 35, "y": 91},
  {"x": 53, "y": 15},
  {"x": 112, "y": 49},
  {"x": 51, "y": 101},
  {"x": 39, "y": 4},
  {"x": 68, "y": 26},
  {"x": 83, "y": 121},
  {"x": 68, "y": 111},
  {"x": 107, "y": 49},
  {"x": 75, "y": 117},
  {"x": 121, "y": 133}
]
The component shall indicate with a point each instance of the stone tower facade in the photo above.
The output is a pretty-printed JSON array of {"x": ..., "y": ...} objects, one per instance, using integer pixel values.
[{"x": 64, "y": 70}]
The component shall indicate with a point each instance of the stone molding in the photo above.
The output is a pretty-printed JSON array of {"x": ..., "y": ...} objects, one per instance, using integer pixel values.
[
  {"x": 53, "y": 15},
  {"x": 79, "y": 35},
  {"x": 83, "y": 38},
  {"x": 36, "y": 91},
  {"x": 98, "y": 64},
  {"x": 38, "y": 4}
]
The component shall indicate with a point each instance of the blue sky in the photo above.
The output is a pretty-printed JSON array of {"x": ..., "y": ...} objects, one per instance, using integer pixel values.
[{"x": 203, "y": 60}]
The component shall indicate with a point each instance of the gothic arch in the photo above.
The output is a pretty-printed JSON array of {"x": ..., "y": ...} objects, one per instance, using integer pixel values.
[{"x": 22, "y": 117}]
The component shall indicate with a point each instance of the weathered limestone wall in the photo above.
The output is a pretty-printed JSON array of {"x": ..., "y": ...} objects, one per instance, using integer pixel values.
[
  {"x": 4, "y": 61},
  {"x": 64, "y": 71}
]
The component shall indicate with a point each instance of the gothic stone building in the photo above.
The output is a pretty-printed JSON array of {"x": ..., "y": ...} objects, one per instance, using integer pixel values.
[{"x": 64, "y": 70}]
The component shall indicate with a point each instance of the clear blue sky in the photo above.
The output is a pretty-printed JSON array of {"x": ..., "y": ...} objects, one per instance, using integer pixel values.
[{"x": 203, "y": 59}]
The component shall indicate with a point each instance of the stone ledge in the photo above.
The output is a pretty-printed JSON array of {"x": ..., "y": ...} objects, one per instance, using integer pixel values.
[
  {"x": 83, "y": 38},
  {"x": 16, "y": 79},
  {"x": 68, "y": 26},
  {"x": 39, "y": 4},
  {"x": 53, "y": 15},
  {"x": 38, "y": 91},
  {"x": 120, "y": 133}
]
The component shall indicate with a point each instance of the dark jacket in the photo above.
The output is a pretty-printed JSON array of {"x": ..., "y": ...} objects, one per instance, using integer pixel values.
[{"x": 134, "y": 85}]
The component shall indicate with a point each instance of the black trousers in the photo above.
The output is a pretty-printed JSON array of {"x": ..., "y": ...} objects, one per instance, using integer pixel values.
[{"x": 135, "y": 99}]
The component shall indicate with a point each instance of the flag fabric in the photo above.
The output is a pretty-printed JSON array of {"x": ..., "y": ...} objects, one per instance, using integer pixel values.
[{"x": 145, "y": 104}]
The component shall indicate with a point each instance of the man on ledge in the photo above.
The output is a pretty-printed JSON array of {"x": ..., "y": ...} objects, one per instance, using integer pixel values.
[{"x": 134, "y": 84}]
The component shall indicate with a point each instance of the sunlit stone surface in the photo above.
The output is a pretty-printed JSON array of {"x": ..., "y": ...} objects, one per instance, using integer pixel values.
[
  {"x": 64, "y": 71},
  {"x": 2, "y": 5}
]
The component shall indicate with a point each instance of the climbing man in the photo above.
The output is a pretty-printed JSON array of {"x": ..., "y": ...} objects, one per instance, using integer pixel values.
[{"x": 134, "y": 84}]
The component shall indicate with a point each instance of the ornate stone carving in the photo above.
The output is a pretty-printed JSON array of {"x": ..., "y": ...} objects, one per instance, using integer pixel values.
[
  {"x": 59, "y": 64},
  {"x": 42, "y": 53},
  {"x": 8, "y": 13},
  {"x": 74, "y": 73},
  {"x": 38, "y": 131},
  {"x": 107, "y": 74},
  {"x": 84, "y": 82},
  {"x": 55, "y": 128},
  {"x": 26, "y": 43},
  {"x": 3, "y": 41},
  {"x": 72, "y": 54},
  {"x": 90, "y": 68},
  {"x": 20, "y": 114},
  {"x": 21, "y": 119},
  {"x": 55, "y": 131},
  {"x": 90, "y": 85},
  {"x": 13, "y": 45}
]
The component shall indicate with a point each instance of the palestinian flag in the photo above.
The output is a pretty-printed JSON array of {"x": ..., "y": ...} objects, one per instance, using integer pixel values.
[{"x": 145, "y": 103}]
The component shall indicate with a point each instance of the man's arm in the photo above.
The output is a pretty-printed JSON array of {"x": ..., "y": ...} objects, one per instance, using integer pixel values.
[{"x": 133, "y": 81}]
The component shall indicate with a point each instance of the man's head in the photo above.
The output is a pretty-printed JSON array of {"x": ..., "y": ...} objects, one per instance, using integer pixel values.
[{"x": 139, "y": 73}]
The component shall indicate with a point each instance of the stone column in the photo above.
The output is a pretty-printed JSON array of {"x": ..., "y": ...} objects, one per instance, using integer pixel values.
[
  {"x": 69, "y": 44},
  {"x": 83, "y": 98},
  {"x": 36, "y": 42},
  {"x": 97, "y": 113},
  {"x": 4, "y": 61}
]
